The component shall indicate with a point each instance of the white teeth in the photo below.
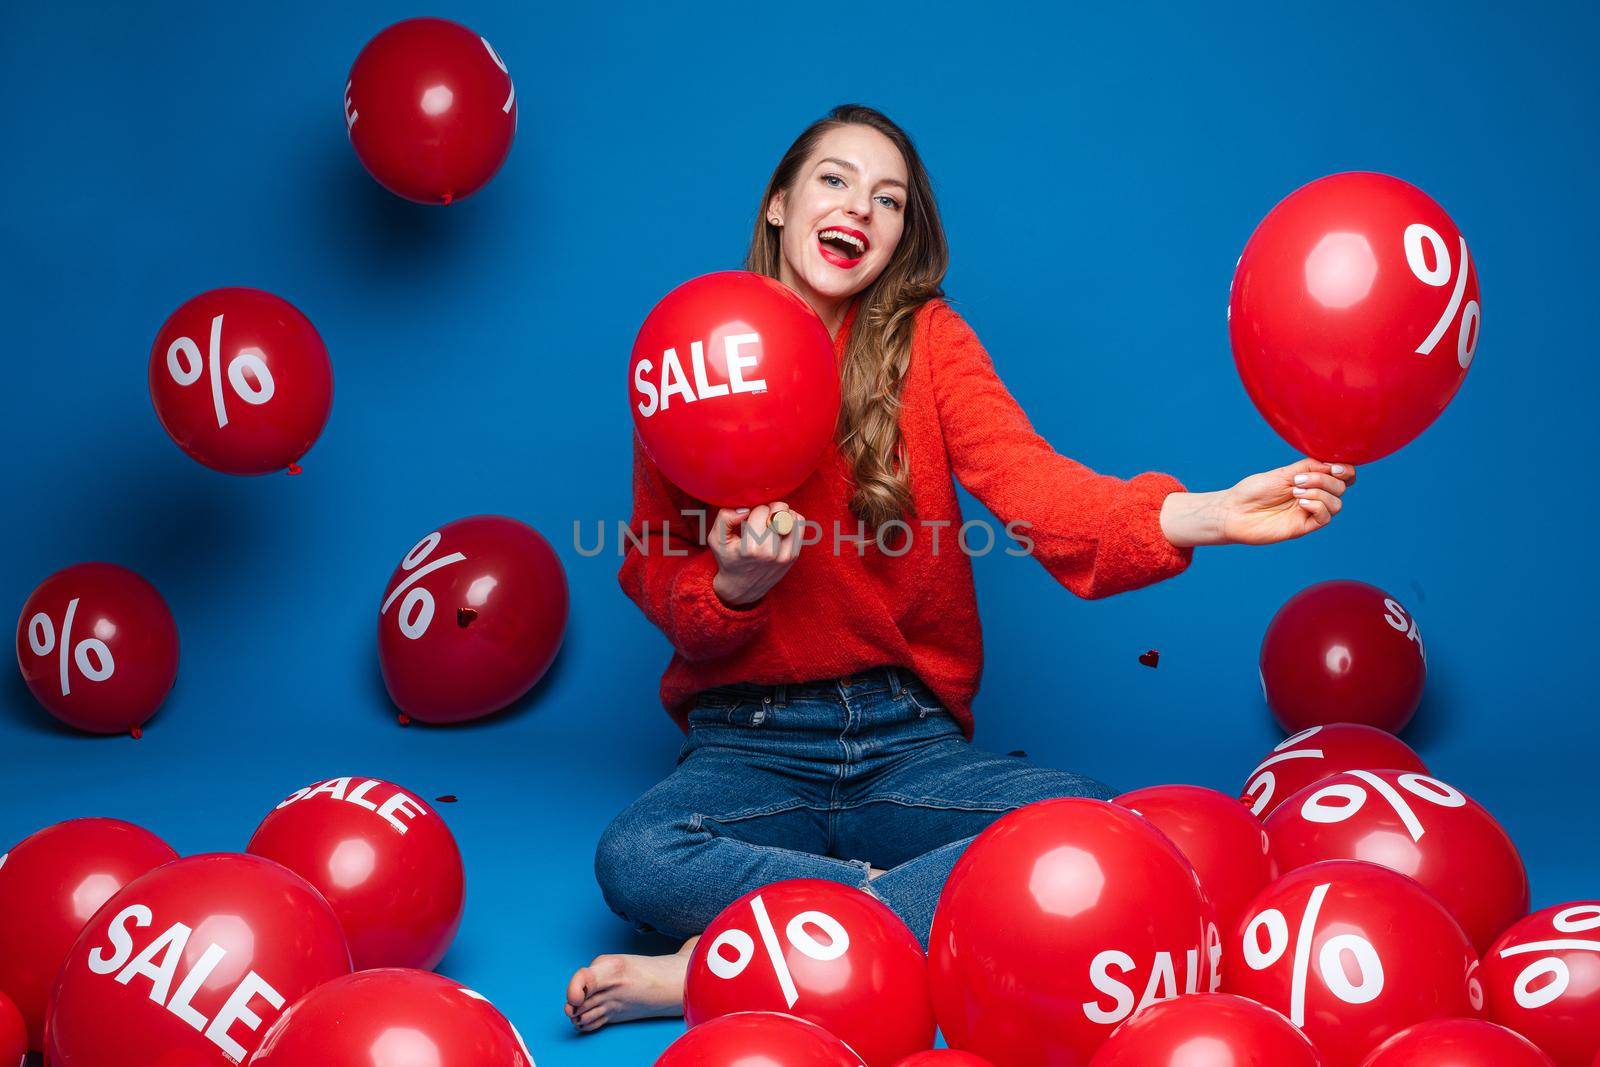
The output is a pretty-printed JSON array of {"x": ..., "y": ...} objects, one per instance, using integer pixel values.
[{"x": 842, "y": 236}]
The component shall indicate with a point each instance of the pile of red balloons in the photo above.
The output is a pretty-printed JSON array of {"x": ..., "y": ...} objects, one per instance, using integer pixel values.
[{"x": 115, "y": 950}]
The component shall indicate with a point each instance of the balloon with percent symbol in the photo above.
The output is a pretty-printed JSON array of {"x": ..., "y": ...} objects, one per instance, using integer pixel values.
[
  {"x": 734, "y": 388},
  {"x": 1414, "y": 824},
  {"x": 1352, "y": 953},
  {"x": 241, "y": 381},
  {"x": 392, "y": 1017},
  {"x": 1457, "y": 1043},
  {"x": 98, "y": 647},
  {"x": 943, "y": 1057},
  {"x": 430, "y": 110},
  {"x": 764, "y": 1038},
  {"x": 1354, "y": 314},
  {"x": 13, "y": 1035},
  {"x": 1541, "y": 978},
  {"x": 51, "y": 884},
  {"x": 1227, "y": 845},
  {"x": 1207, "y": 1030},
  {"x": 820, "y": 951},
  {"x": 191, "y": 963},
  {"x": 1343, "y": 651},
  {"x": 471, "y": 619},
  {"x": 385, "y": 860},
  {"x": 1319, "y": 752},
  {"x": 1060, "y": 921}
]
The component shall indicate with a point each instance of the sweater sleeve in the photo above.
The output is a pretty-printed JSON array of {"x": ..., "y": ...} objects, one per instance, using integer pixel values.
[
  {"x": 1097, "y": 535},
  {"x": 667, "y": 569}
]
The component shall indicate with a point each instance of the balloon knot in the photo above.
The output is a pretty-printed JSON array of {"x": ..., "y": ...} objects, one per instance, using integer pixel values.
[
  {"x": 1150, "y": 659},
  {"x": 403, "y": 719},
  {"x": 136, "y": 733},
  {"x": 295, "y": 468},
  {"x": 465, "y": 617}
]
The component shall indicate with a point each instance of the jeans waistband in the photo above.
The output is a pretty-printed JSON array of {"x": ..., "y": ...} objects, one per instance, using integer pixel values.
[{"x": 889, "y": 680}]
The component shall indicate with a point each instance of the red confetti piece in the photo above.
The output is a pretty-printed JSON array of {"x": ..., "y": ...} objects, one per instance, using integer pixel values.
[
  {"x": 1150, "y": 658},
  {"x": 448, "y": 798}
]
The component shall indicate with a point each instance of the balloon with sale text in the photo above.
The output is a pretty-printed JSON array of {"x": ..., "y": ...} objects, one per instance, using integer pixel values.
[
  {"x": 471, "y": 619},
  {"x": 819, "y": 951},
  {"x": 734, "y": 388},
  {"x": 98, "y": 647},
  {"x": 1354, "y": 315},
  {"x": 191, "y": 963},
  {"x": 1319, "y": 752},
  {"x": 1541, "y": 978},
  {"x": 385, "y": 860},
  {"x": 241, "y": 381}
]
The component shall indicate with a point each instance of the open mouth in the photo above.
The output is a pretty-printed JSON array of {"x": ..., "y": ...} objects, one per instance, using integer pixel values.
[{"x": 841, "y": 247}]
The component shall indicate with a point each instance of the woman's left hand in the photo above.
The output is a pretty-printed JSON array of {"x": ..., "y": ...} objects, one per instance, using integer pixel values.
[{"x": 1275, "y": 505}]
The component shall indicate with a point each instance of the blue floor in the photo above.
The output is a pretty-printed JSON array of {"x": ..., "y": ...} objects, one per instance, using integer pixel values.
[{"x": 1098, "y": 176}]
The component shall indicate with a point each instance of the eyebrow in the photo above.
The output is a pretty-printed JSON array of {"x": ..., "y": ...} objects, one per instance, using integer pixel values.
[{"x": 847, "y": 165}]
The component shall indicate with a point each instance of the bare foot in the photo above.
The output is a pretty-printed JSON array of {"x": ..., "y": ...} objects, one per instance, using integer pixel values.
[
  {"x": 617, "y": 989},
  {"x": 872, "y": 872}
]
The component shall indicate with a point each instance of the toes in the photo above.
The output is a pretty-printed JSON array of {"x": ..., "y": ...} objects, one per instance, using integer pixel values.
[
  {"x": 578, "y": 988},
  {"x": 605, "y": 972},
  {"x": 594, "y": 1018}
]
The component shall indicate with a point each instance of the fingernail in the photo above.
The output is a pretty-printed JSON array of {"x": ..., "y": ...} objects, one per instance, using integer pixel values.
[
  {"x": 1338, "y": 468},
  {"x": 1300, "y": 479},
  {"x": 741, "y": 511},
  {"x": 1306, "y": 503},
  {"x": 1299, "y": 492}
]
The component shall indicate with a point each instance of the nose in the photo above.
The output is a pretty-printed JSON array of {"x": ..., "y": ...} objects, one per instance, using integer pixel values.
[{"x": 861, "y": 206}]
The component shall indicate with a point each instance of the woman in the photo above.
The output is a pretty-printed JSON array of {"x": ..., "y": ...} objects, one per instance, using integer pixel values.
[{"x": 826, "y": 695}]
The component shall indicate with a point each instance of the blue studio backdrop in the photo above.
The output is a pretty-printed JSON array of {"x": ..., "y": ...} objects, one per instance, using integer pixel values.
[{"x": 1099, "y": 168}]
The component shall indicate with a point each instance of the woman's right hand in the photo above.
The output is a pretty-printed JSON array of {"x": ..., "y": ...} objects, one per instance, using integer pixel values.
[{"x": 751, "y": 556}]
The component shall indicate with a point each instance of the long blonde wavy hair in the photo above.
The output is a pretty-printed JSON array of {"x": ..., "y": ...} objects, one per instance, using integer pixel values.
[{"x": 879, "y": 349}]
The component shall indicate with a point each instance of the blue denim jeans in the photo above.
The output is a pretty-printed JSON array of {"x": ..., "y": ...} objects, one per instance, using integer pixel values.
[{"x": 817, "y": 780}]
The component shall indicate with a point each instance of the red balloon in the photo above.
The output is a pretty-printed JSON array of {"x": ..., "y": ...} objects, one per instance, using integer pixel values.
[
  {"x": 51, "y": 884},
  {"x": 13, "y": 1034},
  {"x": 1352, "y": 953},
  {"x": 1418, "y": 826},
  {"x": 1207, "y": 1030},
  {"x": 1542, "y": 979},
  {"x": 1457, "y": 1043},
  {"x": 1354, "y": 315},
  {"x": 734, "y": 388},
  {"x": 241, "y": 381},
  {"x": 820, "y": 951},
  {"x": 943, "y": 1057},
  {"x": 392, "y": 1017},
  {"x": 98, "y": 647},
  {"x": 758, "y": 1039},
  {"x": 471, "y": 619},
  {"x": 1314, "y": 754},
  {"x": 1224, "y": 842},
  {"x": 1343, "y": 651},
  {"x": 193, "y": 960},
  {"x": 431, "y": 110},
  {"x": 386, "y": 862},
  {"x": 1057, "y": 923}
]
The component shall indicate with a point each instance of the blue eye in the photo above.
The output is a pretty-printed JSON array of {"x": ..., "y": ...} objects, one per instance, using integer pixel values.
[
  {"x": 890, "y": 201},
  {"x": 833, "y": 178}
]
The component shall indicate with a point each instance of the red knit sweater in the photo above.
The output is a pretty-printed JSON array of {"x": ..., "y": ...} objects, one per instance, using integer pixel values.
[{"x": 836, "y": 614}]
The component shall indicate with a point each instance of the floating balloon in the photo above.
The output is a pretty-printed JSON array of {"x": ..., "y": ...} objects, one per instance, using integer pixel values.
[
  {"x": 1207, "y": 1030},
  {"x": 820, "y": 951},
  {"x": 431, "y": 110},
  {"x": 392, "y": 1017},
  {"x": 758, "y": 1039},
  {"x": 1354, "y": 315},
  {"x": 1418, "y": 826},
  {"x": 386, "y": 862},
  {"x": 1457, "y": 1043},
  {"x": 241, "y": 381},
  {"x": 1314, "y": 754},
  {"x": 1083, "y": 905},
  {"x": 471, "y": 619},
  {"x": 1226, "y": 844},
  {"x": 734, "y": 388},
  {"x": 13, "y": 1035},
  {"x": 1343, "y": 651},
  {"x": 51, "y": 884},
  {"x": 98, "y": 647},
  {"x": 190, "y": 964},
  {"x": 1541, "y": 978},
  {"x": 1352, "y": 953}
]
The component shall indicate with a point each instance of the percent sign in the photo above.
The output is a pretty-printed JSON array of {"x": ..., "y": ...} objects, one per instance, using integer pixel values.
[
  {"x": 1340, "y": 801},
  {"x": 1331, "y": 962},
  {"x": 744, "y": 946},
  {"x": 92, "y": 655},
  {"x": 512, "y": 99},
  {"x": 416, "y": 610},
  {"x": 1577, "y": 920},
  {"x": 1438, "y": 275},
  {"x": 1263, "y": 783},
  {"x": 247, "y": 372}
]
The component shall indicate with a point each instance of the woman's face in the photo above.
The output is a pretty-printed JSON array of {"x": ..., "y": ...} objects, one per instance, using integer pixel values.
[{"x": 843, "y": 217}]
